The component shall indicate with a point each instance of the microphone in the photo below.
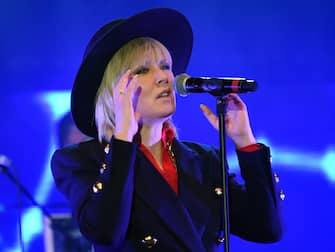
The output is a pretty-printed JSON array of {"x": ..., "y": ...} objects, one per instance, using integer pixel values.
[{"x": 186, "y": 84}]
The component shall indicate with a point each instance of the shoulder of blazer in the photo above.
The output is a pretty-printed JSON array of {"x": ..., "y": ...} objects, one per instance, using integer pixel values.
[
  {"x": 91, "y": 150},
  {"x": 196, "y": 148}
]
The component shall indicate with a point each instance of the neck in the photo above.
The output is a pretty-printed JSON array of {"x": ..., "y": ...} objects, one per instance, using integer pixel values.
[
  {"x": 151, "y": 138},
  {"x": 151, "y": 134}
]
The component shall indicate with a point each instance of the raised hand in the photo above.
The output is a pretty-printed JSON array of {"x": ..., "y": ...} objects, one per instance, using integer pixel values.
[
  {"x": 236, "y": 121},
  {"x": 125, "y": 96}
]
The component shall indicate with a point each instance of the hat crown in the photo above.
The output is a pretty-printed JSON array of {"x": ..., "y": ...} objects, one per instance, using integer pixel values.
[{"x": 100, "y": 34}]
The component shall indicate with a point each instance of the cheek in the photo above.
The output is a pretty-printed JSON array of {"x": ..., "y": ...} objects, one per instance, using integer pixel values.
[
  {"x": 146, "y": 91},
  {"x": 141, "y": 100}
]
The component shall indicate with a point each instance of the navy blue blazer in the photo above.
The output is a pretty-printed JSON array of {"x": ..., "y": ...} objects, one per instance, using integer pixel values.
[{"x": 122, "y": 203}]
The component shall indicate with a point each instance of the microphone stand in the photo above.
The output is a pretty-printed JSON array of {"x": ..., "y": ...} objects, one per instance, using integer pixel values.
[
  {"x": 4, "y": 163},
  {"x": 224, "y": 203},
  {"x": 218, "y": 87},
  {"x": 4, "y": 168}
]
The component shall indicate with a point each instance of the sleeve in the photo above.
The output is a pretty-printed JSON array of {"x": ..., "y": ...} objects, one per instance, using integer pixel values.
[
  {"x": 101, "y": 203},
  {"x": 255, "y": 207}
]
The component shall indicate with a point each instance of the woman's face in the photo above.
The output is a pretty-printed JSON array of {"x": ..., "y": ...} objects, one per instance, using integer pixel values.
[{"x": 155, "y": 99}]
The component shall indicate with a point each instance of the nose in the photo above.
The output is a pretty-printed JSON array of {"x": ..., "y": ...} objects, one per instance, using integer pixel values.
[{"x": 161, "y": 76}]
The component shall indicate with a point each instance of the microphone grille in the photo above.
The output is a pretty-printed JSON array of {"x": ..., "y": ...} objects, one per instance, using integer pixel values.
[{"x": 180, "y": 84}]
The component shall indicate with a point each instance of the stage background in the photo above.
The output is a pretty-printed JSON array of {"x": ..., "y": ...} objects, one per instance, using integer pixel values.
[{"x": 288, "y": 46}]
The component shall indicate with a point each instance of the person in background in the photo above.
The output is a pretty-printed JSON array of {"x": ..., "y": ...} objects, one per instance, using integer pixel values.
[
  {"x": 68, "y": 133},
  {"x": 66, "y": 235},
  {"x": 136, "y": 186}
]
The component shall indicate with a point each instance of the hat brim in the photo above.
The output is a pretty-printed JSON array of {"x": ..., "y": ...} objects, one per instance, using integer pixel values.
[{"x": 168, "y": 26}]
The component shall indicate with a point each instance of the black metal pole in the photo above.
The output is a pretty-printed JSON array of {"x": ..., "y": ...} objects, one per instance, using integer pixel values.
[
  {"x": 224, "y": 225},
  {"x": 19, "y": 215},
  {"x": 6, "y": 171}
]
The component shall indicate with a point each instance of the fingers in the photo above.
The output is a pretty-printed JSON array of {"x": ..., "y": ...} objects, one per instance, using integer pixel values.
[
  {"x": 122, "y": 85},
  {"x": 213, "y": 120},
  {"x": 233, "y": 101},
  {"x": 132, "y": 85},
  {"x": 119, "y": 89},
  {"x": 126, "y": 117},
  {"x": 127, "y": 86}
]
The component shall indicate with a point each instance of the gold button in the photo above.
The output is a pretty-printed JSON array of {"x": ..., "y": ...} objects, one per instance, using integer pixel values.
[
  {"x": 282, "y": 195},
  {"x": 149, "y": 241},
  {"x": 97, "y": 187},
  {"x": 103, "y": 168},
  {"x": 218, "y": 191},
  {"x": 220, "y": 239},
  {"x": 148, "y": 238},
  {"x": 276, "y": 176},
  {"x": 107, "y": 148}
]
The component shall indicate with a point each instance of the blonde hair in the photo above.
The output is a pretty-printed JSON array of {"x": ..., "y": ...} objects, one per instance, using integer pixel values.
[{"x": 121, "y": 61}]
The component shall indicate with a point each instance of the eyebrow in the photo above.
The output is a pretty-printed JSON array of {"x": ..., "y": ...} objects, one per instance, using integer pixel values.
[
  {"x": 149, "y": 62},
  {"x": 165, "y": 61}
]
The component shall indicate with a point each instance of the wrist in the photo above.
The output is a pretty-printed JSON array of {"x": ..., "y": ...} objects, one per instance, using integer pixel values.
[{"x": 242, "y": 142}]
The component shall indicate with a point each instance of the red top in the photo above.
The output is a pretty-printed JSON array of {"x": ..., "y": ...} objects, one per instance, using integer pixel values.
[
  {"x": 250, "y": 148},
  {"x": 168, "y": 171}
]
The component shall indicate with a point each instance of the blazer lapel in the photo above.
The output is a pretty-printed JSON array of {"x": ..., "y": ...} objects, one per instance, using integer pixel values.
[
  {"x": 193, "y": 192},
  {"x": 151, "y": 187}
]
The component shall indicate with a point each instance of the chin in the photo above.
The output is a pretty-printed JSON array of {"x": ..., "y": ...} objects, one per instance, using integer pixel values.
[
  {"x": 167, "y": 114},
  {"x": 171, "y": 111}
]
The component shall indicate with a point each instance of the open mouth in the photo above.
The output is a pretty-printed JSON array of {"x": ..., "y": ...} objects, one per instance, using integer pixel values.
[{"x": 165, "y": 93}]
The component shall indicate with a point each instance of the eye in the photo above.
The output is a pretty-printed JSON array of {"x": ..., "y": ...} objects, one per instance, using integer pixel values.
[
  {"x": 165, "y": 67},
  {"x": 141, "y": 70}
]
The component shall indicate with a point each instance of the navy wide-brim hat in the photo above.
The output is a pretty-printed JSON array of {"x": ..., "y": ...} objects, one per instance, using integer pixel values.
[{"x": 168, "y": 26}]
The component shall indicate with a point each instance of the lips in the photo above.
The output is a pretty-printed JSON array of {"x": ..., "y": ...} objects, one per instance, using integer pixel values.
[{"x": 164, "y": 93}]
